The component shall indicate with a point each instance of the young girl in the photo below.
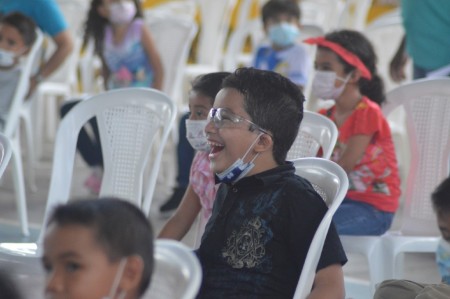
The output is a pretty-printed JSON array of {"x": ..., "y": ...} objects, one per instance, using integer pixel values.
[
  {"x": 201, "y": 190},
  {"x": 17, "y": 35},
  {"x": 129, "y": 58},
  {"x": 97, "y": 248},
  {"x": 346, "y": 72}
]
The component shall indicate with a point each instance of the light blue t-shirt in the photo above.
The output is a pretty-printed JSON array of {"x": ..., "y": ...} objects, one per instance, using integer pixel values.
[
  {"x": 292, "y": 62},
  {"x": 427, "y": 26},
  {"x": 443, "y": 260},
  {"x": 45, "y": 13}
]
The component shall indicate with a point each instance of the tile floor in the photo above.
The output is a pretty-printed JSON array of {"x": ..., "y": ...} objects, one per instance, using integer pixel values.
[{"x": 419, "y": 267}]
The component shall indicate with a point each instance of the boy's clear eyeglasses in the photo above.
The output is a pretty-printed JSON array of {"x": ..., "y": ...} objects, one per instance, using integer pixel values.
[{"x": 223, "y": 118}]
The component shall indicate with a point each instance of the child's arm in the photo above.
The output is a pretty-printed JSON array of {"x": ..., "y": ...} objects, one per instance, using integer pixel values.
[
  {"x": 153, "y": 55},
  {"x": 180, "y": 223},
  {"x": 328, "y": 283},
  {"x": 354, "y": 151}
]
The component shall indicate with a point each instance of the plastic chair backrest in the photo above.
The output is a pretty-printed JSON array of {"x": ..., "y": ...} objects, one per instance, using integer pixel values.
[
  {"x": 130, "y": 121},
  {"x": 75, "y": 13},
  {"x": 177, "y": 273},
  {"x": 323, "y": 13},
  {"x": 5, "y": 153},
  {"x": 354, "y": 14},
  {"x": 173, "y": 36},
  {"x": 331, "y": 182},
  {"x": 215, "y": 23},
  {"x": 387, "y": 31},
  {"x": 12, "y": 120},
  {"x": 427, "y": 109},
  {"x": 316, "y": 131}
]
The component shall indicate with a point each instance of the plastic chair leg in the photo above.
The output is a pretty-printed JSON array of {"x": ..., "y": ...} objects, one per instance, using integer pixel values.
[
  {"x": 19, "y": 187},
  {"x": 31, "y": 157}
]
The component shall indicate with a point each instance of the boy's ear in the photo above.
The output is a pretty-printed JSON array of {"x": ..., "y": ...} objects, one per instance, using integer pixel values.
[
  {"x": 265, "y": 143},
  {"x": 132, "y": 274}
]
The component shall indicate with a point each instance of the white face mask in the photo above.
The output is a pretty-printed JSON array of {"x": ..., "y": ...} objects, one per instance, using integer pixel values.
[
  {"x": 195, "y": 134},
  {"x": 122, "y": 12},
  {"x": 238, "y": 169},
  {"x": 116, "y": 282},
  {"x": 323, "y": 85},
  {"x": 7, "y": 58}
]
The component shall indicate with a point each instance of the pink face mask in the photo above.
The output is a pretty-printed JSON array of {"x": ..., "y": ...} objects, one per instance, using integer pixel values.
[{"x": 122, "y": 12}]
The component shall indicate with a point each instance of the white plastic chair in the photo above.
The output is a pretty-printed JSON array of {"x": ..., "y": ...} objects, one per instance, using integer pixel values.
[
  {"x": 5, "y": 153},
  {"x": 323, "y": 13},
  {"x": 316, "y": 131},
  {"x": 331, "y": 182},
  {"x": 426, "y": 104},
  {"x": 354, "y": 14},
  {"x": 173, "y": 51},
  {"x": 427, "y": 107},
  {"x": 177, "y": 273},
  {"x": 387, "y": 30},
  {"x": 130, "y": 121},
  {"x": 215, "y": 23},
  {"x": 12, "y": 131}
]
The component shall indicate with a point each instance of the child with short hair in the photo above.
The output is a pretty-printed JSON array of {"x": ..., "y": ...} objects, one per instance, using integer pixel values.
[
  {"x": 405, "y": 289},
  {"x": 98, "y": 248},
  {"x": 346, "y": 73},
  {"x": 17, "y": 35},
  {"x": 201, "y": 192},
  {"x": 285, "y": 54},
  {"x": 264, "y": 216}
]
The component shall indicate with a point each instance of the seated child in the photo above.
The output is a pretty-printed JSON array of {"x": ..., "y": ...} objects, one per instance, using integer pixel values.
[
  {"x": 99, "y": 248},
  {"x": 405, "y": 289},
  {"x": 201, "y": 192},
  {"x": 346, "y": 73},
  {"x": 264, "y": 216},
  {"x": 17, "y": 35},
  {"x": 284, "y": 55}
]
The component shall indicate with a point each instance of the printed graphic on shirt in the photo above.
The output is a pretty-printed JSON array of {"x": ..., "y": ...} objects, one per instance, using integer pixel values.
[{"x": 245, "y": 248}]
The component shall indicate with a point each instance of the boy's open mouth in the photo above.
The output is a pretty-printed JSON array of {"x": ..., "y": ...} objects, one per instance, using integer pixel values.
[{"x": 215, "y": 147}]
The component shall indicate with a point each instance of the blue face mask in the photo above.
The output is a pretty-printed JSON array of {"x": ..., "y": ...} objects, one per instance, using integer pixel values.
[
  {"x": 283, "y": 34},
  {"x": 238, "y": 169}
]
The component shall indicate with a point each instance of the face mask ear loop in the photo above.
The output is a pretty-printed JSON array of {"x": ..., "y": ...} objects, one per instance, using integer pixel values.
[
  {"x": 116, "y": 281},
  {"x": 250, "y": 147}
]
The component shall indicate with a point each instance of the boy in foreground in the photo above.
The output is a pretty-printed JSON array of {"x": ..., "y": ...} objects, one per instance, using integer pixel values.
[{"x": 264, "y": 216}]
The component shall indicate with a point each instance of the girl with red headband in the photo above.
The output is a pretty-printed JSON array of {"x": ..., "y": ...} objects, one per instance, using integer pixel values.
[{"x": 346, "y": 72}]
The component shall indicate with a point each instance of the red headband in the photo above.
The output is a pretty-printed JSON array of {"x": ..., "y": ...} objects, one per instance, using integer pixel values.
[{"x": 348, "y": 56}]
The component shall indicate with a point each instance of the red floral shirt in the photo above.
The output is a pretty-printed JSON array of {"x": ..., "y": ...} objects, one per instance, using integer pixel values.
[{"x": 375, "y": 179}]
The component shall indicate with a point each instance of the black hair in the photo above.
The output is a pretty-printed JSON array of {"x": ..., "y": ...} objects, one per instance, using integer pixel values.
[
  {"x": 120, "y": 227},
  {"x": 209, "y": 84},
  {"x": 273, "y": 102},
  {"x": 359, "y": 45},
  {"x": 8, "y": 286},
  {"x": 95, "y": 25},
  {"x": 441, "y": 197},
  {"x": 23, "y": 24},
  {"x": 274, "y": 8}
]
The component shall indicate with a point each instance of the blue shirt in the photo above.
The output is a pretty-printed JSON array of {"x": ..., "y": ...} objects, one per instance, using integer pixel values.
[
  {"x": 45, "y": 13},
  {"x": 258, "y": 236},
  {"x": 292, "y": 62},
  {"x": 427, "y": 27}
]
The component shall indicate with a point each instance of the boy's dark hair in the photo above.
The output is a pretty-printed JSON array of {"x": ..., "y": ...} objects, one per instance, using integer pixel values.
[
  {"x": 209, "y": 84},
  {"x": 441, "y": 197},
  {"x": 273, "y": 102},
  {"x": 359, "y": 45},
  {"x": 95, "y": 25},
  {"x": 23, "y": 24},
  {"x": 119, "y": 226},
  {"x": 274, "y": 8}
]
